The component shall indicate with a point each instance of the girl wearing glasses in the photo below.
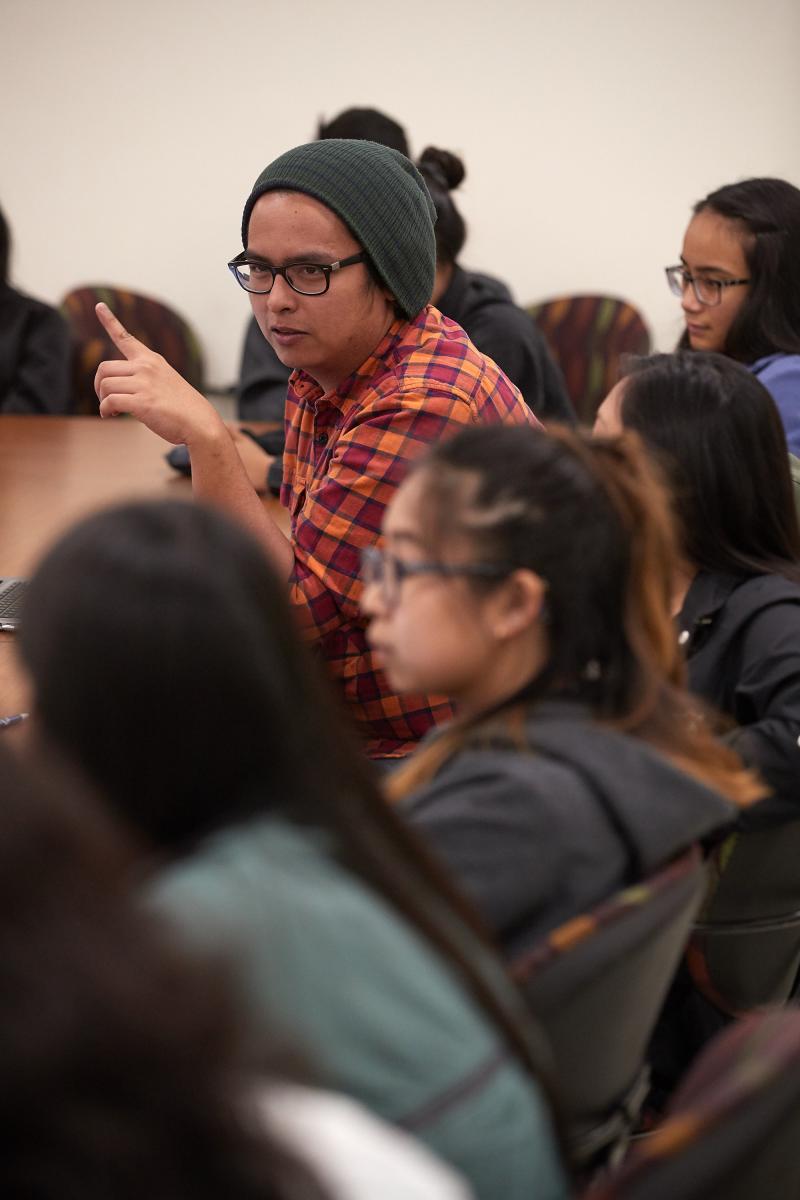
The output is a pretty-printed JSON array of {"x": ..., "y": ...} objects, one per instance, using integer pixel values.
[
  {"x": 528, "y": 576},
  {"x": 739, "y": 283}
]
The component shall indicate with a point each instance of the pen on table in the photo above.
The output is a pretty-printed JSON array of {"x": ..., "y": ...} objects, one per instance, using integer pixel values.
[{"x": 5, "y": 722}]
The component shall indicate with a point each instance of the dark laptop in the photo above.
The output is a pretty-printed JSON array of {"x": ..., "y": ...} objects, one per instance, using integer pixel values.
[{"x": 11, "y": 594}]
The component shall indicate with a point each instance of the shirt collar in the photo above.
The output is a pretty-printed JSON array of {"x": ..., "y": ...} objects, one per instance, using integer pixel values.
[{"x": 707, "y": 594}]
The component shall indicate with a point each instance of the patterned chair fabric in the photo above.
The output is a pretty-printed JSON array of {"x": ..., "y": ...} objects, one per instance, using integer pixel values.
[
  {"x": 596, "y": 985},
  {"x": 733, "y": 1127},
  {"x": 744, "y": 951},
  {"x": 158, "y": 326},
  {"x": 588, "y": 335}
]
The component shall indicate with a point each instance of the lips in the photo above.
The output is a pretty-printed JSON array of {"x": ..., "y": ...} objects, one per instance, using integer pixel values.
[{"x": 285, "y": 335}]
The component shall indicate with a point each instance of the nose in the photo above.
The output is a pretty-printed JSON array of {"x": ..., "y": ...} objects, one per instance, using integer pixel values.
[
  {"x": 689, "y": 302},
  {"x": 371, "y": 602},
  {"x": 281, "y": 298}
]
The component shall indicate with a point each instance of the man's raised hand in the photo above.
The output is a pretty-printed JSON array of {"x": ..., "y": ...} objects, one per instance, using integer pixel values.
[{"x": 146, "y": 386}]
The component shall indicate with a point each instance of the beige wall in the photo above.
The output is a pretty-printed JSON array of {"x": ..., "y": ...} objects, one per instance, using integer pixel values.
[{"x": 133, "y": 131}]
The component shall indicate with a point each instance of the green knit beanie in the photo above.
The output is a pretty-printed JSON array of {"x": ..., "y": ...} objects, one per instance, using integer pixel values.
[{"x": 382, "y": 199}]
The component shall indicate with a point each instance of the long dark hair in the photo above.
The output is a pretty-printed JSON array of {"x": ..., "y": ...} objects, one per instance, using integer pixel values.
[
  {"x": 125, "y": 1071},
  {"x": 768, "y": 212},
  {"x": 443, "y": 172},
  {"x": 720, "y": 441},
  {"x": 590, "y": 517},
  {"x": 165, "y": 662}
]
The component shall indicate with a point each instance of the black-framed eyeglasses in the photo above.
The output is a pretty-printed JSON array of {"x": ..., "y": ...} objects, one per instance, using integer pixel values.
[
  {"x": 388, "y": 572},
  {"x": 309, "y": 279},
  {"x": 707, "y": 291}
]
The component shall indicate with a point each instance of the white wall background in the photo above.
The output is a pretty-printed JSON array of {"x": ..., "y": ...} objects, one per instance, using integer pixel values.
[{"x": 132, "y": 132}]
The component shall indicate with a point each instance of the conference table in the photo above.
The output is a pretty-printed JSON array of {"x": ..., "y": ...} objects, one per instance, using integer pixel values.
[{"x": 55, "y": 470}]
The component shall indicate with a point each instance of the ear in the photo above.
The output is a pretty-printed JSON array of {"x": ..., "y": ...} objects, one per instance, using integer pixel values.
[{"x": 517, "y": 605}]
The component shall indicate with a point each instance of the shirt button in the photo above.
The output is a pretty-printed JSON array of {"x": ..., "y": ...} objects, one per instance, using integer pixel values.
[
  {"x": 321, "y": 439},
  {"x": 683, "y": 637}
]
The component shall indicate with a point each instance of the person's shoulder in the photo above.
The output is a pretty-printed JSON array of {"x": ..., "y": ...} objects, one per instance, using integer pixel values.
[
  {"x": 484, "y": 290},
  {"x": 496, "y": 766},
  {"x": 431, "y": 356},
  {"x": 264, "y": 857},
  {"x": 30, "y": 307},
  {"x": 765, "y": 611},
  {"x": 761, "y": 592},
  {"x": 455, "y": 363},
  {"x": 776, "y": 370}
]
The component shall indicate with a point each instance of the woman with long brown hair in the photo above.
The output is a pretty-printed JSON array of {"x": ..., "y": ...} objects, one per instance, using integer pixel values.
[{"x": 527, "y": 576}]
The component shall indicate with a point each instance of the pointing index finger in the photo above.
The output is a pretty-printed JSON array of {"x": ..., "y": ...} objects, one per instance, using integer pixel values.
[{"x": 124, "y": 341}]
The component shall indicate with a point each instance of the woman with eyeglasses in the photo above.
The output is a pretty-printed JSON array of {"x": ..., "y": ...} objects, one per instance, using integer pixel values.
[
  {"x": 528, "y": 575},
  {"x": 165, "y": 664},
  {"x": 736, "y": 588},
  {"x": 739, "y": 283}
]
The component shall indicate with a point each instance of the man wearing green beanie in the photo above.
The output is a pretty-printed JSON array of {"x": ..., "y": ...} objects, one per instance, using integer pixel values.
[{"x": 339, "y": 259}]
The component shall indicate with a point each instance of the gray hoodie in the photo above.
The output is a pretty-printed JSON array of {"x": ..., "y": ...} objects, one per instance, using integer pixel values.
[{"x": 535, "y": 837}]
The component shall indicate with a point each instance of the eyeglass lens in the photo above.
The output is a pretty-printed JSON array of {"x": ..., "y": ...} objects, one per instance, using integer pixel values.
[
  {"x": 707, "y": 291},
  {"x": 307, "y": 278}
]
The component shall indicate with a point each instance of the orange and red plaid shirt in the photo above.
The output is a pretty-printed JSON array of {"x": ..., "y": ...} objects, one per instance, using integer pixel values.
[{"x": 346, "y": 453}]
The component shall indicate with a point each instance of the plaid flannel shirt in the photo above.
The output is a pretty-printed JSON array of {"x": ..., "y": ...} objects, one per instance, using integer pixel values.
[{"x": 346, "y": 453}]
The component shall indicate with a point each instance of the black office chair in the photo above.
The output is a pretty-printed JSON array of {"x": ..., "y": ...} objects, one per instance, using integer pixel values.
[
  {"x": 596, "y": 985},
  {"x": 733, "y": 1128},
  {"x": 744, "y": 951}
]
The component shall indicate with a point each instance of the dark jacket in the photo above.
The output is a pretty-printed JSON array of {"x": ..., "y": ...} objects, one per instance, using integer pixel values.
[
  {"x": 35, "y": 356},
  {"x": 742, "y": 641},
  {"x": 263, "y": 379},
  {"x": 537, "y": 837},
  {"x": 507, "y": 334}
]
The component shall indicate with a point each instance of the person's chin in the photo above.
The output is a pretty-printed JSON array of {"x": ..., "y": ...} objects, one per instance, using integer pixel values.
[
  {"x": 699, "y": 339},
  {"x": 399, "y": 681},
  {"x": 292, "y": 351}
]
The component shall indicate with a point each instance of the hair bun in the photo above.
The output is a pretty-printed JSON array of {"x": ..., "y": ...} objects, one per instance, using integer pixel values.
[{"x": 448, "y": 166}]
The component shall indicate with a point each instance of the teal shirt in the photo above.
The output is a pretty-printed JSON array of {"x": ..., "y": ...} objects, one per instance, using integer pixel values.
[{"x": 325, "y": 962}]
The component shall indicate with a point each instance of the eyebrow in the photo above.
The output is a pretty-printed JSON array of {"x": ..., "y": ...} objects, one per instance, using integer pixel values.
[{"x": 718, "y": 270}]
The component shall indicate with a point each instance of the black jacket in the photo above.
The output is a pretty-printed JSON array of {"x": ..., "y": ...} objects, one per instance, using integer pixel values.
[
  {"x": 35, "y": 356},
  {"x": 263, "y": 379},
  {"x": 741, "y": 637},
  {"x": 507, "y": 334},
  {"x": 537, "y": 837}
]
